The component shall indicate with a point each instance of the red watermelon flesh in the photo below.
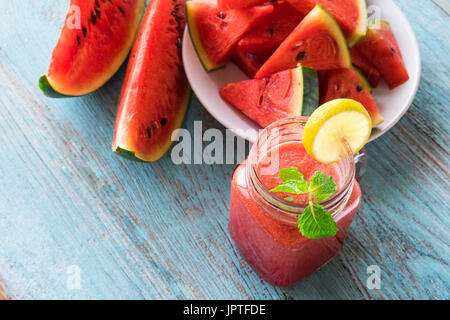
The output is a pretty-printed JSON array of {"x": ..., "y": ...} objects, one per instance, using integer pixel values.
[
  {"x": 248, "y": 62},
  {"x": 366, "y": 67},
  {"x": 381, "y": 48},
  {"x": 269, "y": 35},
  {"x": 344, "y": 83},
  {"x": 238, "y": 4},
  {"x": 346, "y": 12},
  {"x": 269, "y": 99},
  {"x": 216, "y": 33},
  {"x": 317, "y": 42}
]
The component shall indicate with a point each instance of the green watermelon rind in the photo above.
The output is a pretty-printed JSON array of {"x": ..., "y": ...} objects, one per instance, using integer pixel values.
[
  {"x": 363, "y": 80},
  {"x": 310, "y": 91},
  {"x": 48, "y": 90},
  {"x": 361, "y": 29},
  {"x": 127, "y": 154},
  {"x": 339, "y": 36}
]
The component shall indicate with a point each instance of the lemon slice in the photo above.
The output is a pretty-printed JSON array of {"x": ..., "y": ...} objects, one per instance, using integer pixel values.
[{"x": 333, "y": 123}]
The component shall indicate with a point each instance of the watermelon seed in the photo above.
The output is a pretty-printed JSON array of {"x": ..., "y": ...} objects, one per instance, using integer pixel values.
[
  {"x": 97, "y": 13},
  {"x": 392, "y": 51},
  {"x": 121, "y": 10},
  {"x": 163, "y": 121},
  {"x": 84, "y": 31},
  {"x": 221, "y": 15},
  {"x": 93, "y": 18},
  {"x": 97, "y": 4},
  {"x": 149, "y": 133},
  {"x": 177, "y": 7},
  {"x": 271, "y": 31},
  {"x": 302, "y": 55},
  {"x": 78, "y": 40},
  {"x": 359, "y": 88}
]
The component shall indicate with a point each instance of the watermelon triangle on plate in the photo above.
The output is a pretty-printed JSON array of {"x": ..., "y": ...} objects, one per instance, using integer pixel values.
[
  {"x": 351, "y": 15},
  {"x": 215, "y": 33},
  {"x": 268, "y": 99},
  {"x": 266, "y": 37},
  {"x": 317, "y": 42},
  {"x": 381, "y": 48},
  {"x": 345, "y": 83}
]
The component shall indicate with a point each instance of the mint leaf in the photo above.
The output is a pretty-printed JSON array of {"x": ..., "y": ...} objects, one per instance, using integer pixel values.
[
  {"x": 291, "y": 173},
  {"x": 292, "y": 186},
  {"x": 316, "y": 223},
  {"x": 322, "y": 186}
]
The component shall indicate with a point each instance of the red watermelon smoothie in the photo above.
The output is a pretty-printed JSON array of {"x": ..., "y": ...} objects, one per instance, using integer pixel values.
[{"x": 264, "y": 226}]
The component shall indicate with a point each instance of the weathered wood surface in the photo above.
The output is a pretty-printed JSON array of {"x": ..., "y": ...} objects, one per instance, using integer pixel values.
[{"x": 159, "y": 231}]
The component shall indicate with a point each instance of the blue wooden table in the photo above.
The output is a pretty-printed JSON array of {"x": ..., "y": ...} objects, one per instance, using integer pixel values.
[{"x": 69, "y": 206}]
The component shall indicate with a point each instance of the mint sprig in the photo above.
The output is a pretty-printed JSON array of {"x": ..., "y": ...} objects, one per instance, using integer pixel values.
[{"x": 316, "y": 222}]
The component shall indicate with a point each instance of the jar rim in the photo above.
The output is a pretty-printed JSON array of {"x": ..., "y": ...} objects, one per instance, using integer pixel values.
[{"x": 292, "y": 209}]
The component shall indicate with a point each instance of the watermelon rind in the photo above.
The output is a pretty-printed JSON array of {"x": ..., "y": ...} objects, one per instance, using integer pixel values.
[
  {"x": 310, "y": 91},
  {"x": 363, "y": 80},
  {"x": 361, "y": 28},
  {"x": 130, "y": 155},
  {"x": 48, "y": 90}
]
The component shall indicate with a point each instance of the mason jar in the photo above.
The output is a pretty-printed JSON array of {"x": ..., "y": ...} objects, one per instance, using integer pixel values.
[{"x": 263, "y": 224}]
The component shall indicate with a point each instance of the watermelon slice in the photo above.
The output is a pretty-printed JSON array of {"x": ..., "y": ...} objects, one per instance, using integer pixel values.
[
  {"x": 250, "y": 63},
  {"x": 317, "y": 42},
  {"x": 381, "y": 48},
  {"x": 365, "y": 66},
  {"x": 268, "y": 36},
  {"x": 238, "y": 4},
  {"x": 269, "y": 99},
  {"x": 215, "y": 33},
  {"x": 345, "y": 83},
  {"x": 155, "y": 92},
  {"x": 88, "y": 55},
  {"x": 351, "y": 15}
]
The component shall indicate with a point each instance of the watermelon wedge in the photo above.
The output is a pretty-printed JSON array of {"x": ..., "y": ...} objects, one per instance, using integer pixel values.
[
  {"x": 250, "y": 63},
  {"x": 267, "y": 37},
  {"x": 155, "y": 92},
  {"x": 215, "y": 33},
  {"x": 268, "y": 99},
  {"x": 88, "y": 55},
  {"x": 317, "y": 42},
  {"x": 345, "y": 83},
  {"x": 365, "y": 66},
  {"x": 223, "y": 5},
  {"x": 351, "y": 15},
  {"x": 381, "y": 48}
]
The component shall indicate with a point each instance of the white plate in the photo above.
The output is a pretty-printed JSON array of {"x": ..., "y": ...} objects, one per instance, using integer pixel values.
[{"x": 393, "y": 104}]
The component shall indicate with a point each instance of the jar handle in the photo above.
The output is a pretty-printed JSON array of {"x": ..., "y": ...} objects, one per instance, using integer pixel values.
[{"x": 361, "y": 159}]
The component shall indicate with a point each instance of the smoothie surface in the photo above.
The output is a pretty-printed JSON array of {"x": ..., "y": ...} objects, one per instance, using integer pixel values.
[{"x": 293, "y": 154}]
